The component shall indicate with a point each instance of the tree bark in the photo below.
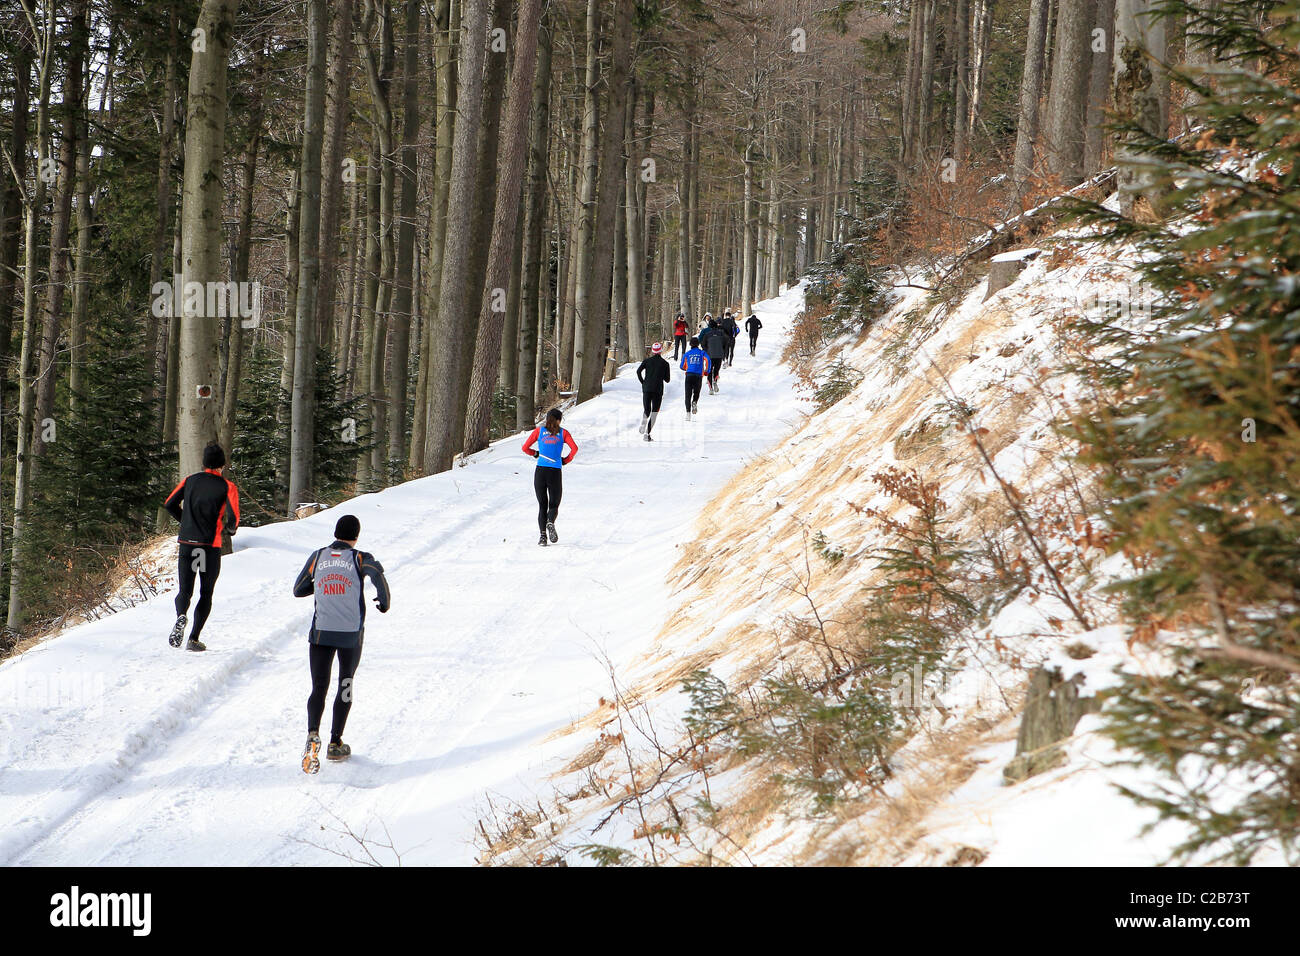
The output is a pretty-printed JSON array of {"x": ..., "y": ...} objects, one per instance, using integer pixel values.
[
  {"x": 302, "y": 416},
  {"x": 584, "y": 329},
  {"x": 487, "y": 352},
  {"x": 1031, "y": 93},
  {"x": 44, "y": 44},
  {"x": 1094, "y": 144},
  {"x": 337, "y": 116},
  {"x": 609, "y": 188},
  {"x": 634, "y": 202},
  {"x": 400, "y": 323},
  {"x": 243, "y": 247},
  {"x": 535, "y": 259},
  {"x": 448, "y": 369},
  {"x": 1139, "y": 43},
  {"x": 1068, "y": 95},
  {"x": 201, "y": 211},
  {"x": 447, "y": 20},
  {"x": 60, "y": 229},
  {"x": 11, "y": 198}
]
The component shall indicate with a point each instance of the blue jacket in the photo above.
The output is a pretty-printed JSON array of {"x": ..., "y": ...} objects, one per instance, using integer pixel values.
[{"x": 696, "y": 362}]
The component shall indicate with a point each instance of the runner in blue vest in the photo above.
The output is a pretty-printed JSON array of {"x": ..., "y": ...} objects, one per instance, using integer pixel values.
[
  {"x": 546, "y": 443},
  {"x": 334, "y": 575},
  {"x": 696, "y": 364}
]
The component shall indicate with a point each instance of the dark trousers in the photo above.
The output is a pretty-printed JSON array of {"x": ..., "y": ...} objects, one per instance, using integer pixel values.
[
  {"x": 715, "y": 365},
  {"x": 753, "y": 342},
  {"x": 321, "y": 659},
  {"x": 679, "y": 346},
  {"x": 549, "y": 488},
  {"x": 205, "y": 563},
  {"x": 731, "y": 348},
  {"x": 650, "y": 402},
  {"x": 693, "y": 383}
]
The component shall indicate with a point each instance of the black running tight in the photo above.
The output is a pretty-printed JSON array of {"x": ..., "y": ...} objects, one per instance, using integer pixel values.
[
  {"x": 693, "y": 383},
  {"x": 205, "y": 563},
  {"x": 549, "y": 488},
  {"x": 321, "y": 658}
]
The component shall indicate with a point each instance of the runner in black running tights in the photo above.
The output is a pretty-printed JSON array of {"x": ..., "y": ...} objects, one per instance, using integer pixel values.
[
  {"x": 549, "y": 440},
  {"x": 205, "y": 504},
  {"x": 653, "y": 374},
  {"x": 695, "y": 363},
  {"x": 335, "y": 577},
  {"x": 752, "y": 325}
]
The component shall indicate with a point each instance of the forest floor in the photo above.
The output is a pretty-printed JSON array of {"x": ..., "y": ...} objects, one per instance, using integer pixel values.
[{"x": 117, "y": 749}]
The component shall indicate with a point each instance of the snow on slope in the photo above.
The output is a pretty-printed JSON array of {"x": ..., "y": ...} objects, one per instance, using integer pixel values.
[
  {"x": 948, "y": 801},
  {"x": 116, "y": 749}
]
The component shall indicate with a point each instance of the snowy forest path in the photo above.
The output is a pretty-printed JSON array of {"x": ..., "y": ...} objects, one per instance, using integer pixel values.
[{"x": 119, "y": 750}]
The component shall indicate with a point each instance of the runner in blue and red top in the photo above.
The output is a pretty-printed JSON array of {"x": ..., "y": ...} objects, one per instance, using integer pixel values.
[{"x": 547, "y": 443}]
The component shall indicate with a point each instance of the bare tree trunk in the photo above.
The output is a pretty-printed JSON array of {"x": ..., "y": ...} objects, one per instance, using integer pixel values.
[
  {"x": 447, "y": 20},
  {"x": 1139, "y": 44},
  {"x": 487, "y": 352},
  {"x": 616, "y": 354},
  {"x": 44, "y": 44},
  {"x": 566, "y": 289},
  {"x": 448, "y": 370},
  {"x": 302, "y": 416},
  {"x": 337, "y": 115},
  {"x": 685, "y": 232},
  {"x": 1094, "y": 144},
  {"x": 584, "y": 334},
  {"x": 81, "y": 277},
  {"x": 961, "y": 105},
  {"x": 11, "y": 198},
  {"x": 634, "y": 200},
  {"x": 748, "y": 226},
  {"x": 366, "y": 317},
  {"x": 404, "y": 291},
  {"x": 1068, "y": 95},
  {"x": 379, "y": 71},
  {"x": 202, "y": 203},
  {"x": 494, "y": 90},
  {"x": 536, "y": 259},
  {"x": 243, "y": 247},
  {"x": 343, "y": 358},
  {"x": 1031, "y": 92},
  {"x": 507, "y": 367},
  {"x": 609, "y": 189},
  {"x": 60, "y": 231},
  {"x": 983, "y": 26},
  {"x": 158, "y": 335}
]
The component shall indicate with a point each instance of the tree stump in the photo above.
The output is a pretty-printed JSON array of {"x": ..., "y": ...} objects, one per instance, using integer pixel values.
[
  {"x": 1052, "y": 709},
  {"x": 1004, "y": 267}
]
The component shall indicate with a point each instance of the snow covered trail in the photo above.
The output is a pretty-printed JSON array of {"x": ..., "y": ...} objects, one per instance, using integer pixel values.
[{"x": 117, "y": 749}]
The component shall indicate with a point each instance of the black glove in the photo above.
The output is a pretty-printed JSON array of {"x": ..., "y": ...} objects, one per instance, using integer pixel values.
[{"x": 383, "y": 608}]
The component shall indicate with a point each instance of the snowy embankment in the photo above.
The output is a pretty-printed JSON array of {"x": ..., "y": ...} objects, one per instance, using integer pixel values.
[{"x": 116, "y": 749}]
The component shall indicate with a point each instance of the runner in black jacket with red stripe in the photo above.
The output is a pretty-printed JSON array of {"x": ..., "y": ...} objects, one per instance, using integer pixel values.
[{"x": 206, "y": 504}]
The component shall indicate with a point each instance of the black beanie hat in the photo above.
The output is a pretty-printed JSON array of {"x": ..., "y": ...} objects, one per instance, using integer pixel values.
[
  {"x": 348, "y": 528},
  {"x": 213, "y": 456}
]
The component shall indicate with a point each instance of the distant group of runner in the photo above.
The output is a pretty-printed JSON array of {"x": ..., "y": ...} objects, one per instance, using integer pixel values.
[{"x": 702, "y": 357}]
